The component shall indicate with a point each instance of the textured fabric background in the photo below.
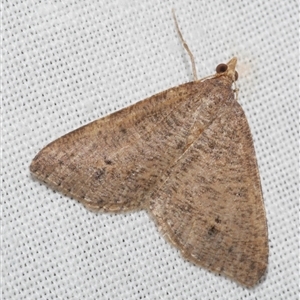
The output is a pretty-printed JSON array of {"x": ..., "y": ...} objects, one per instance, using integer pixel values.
[{"x": 66, "y": 63}]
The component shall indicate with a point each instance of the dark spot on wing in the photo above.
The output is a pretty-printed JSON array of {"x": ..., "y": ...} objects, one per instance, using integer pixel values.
[
  {"x": 99, "y": 173},
  {"x": 108, "y": 161},
  {"x": 212, "y": 231},
  {"x": 218, "y": 220},
  {"x": 252, "y": 265},
  {"x": 211, "y": 144},
  {"x": 180, "y": 145}
]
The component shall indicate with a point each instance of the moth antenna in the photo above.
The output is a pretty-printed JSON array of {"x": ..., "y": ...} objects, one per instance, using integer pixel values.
[{"x": 185, "y": 46}]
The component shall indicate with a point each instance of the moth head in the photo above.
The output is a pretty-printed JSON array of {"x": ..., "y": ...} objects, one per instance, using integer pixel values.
[{"x": 228, "y": 69}]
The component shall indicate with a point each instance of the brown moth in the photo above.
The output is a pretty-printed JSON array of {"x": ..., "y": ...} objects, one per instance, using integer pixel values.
[{"x": 186, "y": 156}]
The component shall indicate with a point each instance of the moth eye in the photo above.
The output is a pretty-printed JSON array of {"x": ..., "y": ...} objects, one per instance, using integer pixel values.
[
  {"x": 221, "y": 68},
  {"x": 236, "y": 75}
]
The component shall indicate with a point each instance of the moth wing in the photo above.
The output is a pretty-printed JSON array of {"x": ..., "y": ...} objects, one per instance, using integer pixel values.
[
  {"x": 211, "y": 206},
  {"x": 112, "y": 163}
]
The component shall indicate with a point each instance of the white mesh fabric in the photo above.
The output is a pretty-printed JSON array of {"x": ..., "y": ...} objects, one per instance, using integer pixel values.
[{"x": 66, "y": 63}]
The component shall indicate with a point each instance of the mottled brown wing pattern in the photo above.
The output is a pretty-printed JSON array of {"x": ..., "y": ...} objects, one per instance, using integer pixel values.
[
  {"x": 113, "y": 164},
  {"x": 87, "y": 163},
  {"x": 210, "y": 205},
  {"x": 187, "y": 156}
]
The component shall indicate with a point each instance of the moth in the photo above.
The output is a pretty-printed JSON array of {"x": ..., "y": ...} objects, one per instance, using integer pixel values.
[{"x": 186, "y": 156}]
